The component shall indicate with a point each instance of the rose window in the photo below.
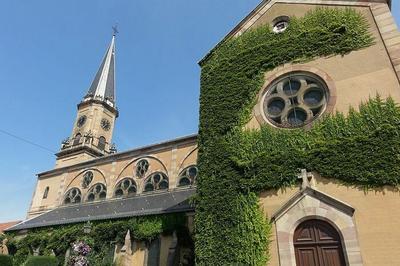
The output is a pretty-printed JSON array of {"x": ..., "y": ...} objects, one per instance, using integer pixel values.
[
  {"x": 141, "y": 168},
  {"x": 156, "y": 181},
  {"x": 295, "y": 100},
  {"x": 73, "y": 195},
  {"x": 188, "y": 176},
  {"x": 97, "y": 192},
  {"x": 126, "y": 187}
]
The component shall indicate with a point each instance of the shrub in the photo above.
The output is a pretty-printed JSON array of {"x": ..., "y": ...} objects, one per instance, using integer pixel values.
[
  {"x": 5, "y": 260},
  {"x": 41, "y": 261}
]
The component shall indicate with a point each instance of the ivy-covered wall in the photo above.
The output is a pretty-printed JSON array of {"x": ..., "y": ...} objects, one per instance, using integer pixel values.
[
  {"x": 102, "y": 237},
  {"x": 235, "y": 164}
]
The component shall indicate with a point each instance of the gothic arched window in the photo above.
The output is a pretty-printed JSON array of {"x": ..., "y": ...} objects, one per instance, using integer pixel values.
[
  {"x": 46, "y": 192},
  {"x": 73, "y": 195},
  {"x": 97, "y": 192},
  {"x": 102, "y": 143},
  {"x": 125, "y": 188},
  {"x": 77, "y": 139},
  {"x": 188, "y": 176},
  {"x": 156, "y": 181}
]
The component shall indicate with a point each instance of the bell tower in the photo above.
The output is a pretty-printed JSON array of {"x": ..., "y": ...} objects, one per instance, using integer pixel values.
[{"x": 93, "y": 128}]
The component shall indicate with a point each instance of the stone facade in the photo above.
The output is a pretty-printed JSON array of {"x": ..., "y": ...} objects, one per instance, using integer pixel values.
[
  {"x": 370, "y": 233},
  {"x": 170, "y": 158}
]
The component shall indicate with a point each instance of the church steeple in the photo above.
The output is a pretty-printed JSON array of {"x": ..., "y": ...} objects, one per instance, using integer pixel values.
[
  {"x": 92, "y": 132},
  {"x": 103, "y": 85}
]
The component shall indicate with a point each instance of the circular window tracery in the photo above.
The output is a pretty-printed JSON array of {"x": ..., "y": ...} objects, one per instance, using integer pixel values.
[
  {"x": 97, "y": 192},
  {"x": 157, "y": 181},
  {"x": 295, "y": 99},
  {"x": 141, "y": 168},
  {"x": 126, "y": 187},
  {"x": 188, "y": 176},
  {"x": 73, "y": 195},
  {"x": 87, "y": 179}
]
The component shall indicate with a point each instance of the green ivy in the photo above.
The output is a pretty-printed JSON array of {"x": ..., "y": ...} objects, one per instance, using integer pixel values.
[
  {"x": 5, "y": 260},
  {"x": 234, "y": 164},
  {"x": 361, "y": 149},
  {"x": 41, "y": 261},
  {"x": 103, "y": 235}
]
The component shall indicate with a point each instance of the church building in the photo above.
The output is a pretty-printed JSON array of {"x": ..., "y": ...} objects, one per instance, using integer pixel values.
[{"x": 282, "y": 70}]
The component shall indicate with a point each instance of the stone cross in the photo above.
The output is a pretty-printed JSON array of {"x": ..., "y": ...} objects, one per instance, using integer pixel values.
[{"x": 308, "y": 179}]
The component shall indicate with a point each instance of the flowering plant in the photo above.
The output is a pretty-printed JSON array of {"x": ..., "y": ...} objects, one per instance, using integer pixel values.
[{"x": 81, "y": 250}]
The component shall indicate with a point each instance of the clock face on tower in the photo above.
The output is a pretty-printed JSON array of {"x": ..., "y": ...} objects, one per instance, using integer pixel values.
[
  {"x": 105, "y": 124},
  {"x": 81, "y": 120}
]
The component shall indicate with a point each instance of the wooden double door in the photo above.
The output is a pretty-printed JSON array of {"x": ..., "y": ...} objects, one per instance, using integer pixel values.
[{"x": 317, "y": 243}]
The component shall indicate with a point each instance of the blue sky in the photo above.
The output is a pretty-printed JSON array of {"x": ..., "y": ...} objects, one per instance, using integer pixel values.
[{"x": 50, "y": 51}]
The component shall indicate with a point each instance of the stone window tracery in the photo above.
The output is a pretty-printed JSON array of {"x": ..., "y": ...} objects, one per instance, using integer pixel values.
[
  {"x": 87, "y": 179},
  {"x": 97, "y": 192},
  {"x": 125, "y": 188},
  {"x": 156, "y": 181},
  {"x": 141, "y": 168},
  {"x": 73, "y": 195},
  {"x": 188, "y": 176},
  {"x": 295, "y": 100}
]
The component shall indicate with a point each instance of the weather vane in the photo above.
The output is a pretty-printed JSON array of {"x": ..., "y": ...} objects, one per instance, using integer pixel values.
[{"x": 115, "y": 29}]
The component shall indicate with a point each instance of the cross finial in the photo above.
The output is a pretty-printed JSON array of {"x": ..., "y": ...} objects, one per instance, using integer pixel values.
[
  {"x": 115, "y": 29},
  {"x": 307, "y": 178}
]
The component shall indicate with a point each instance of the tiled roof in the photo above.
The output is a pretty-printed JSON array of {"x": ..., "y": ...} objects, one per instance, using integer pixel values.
[
  {"x": 4, "y": 226},
  {"x": 140, "y": 205}
]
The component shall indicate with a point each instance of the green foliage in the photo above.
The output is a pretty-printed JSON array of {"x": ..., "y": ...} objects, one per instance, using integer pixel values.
[
  {"x": 234, "y": 164},
  {"x": 41, "y": 261},
  {"x": 5, "y": 260},
  {"x": 361, "y": 149},
  {"x": 101, "y": 238}
]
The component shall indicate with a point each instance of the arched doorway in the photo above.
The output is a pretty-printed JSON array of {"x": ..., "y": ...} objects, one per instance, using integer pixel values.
[{"x": 317, "y": 243}]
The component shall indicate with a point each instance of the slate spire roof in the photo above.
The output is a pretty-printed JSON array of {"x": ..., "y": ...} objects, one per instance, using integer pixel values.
[{"x": 103, "y": 85}]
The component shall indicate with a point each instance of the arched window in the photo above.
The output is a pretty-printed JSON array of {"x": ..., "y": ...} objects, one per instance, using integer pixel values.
[
  {"x": 316, "y": 243},
  {"x": 97, "y": 192},
  {"x": 125, "y": 188},
  {"x": 156, "y": 181},
  {"x": 102, "y": 143},
  {"x": 73, "y": 195},
  {"x": 77, "y": 139},
  {"x": 46, "y": 192},
  {"x": 188, "y": 176}
]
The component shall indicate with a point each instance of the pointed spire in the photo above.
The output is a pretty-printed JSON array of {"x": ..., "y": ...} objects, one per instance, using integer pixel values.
[{"x": 103, "y": 85}]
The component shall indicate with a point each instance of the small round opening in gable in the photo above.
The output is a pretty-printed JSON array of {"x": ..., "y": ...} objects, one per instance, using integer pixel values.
[{"x": 280, "y": 24}]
